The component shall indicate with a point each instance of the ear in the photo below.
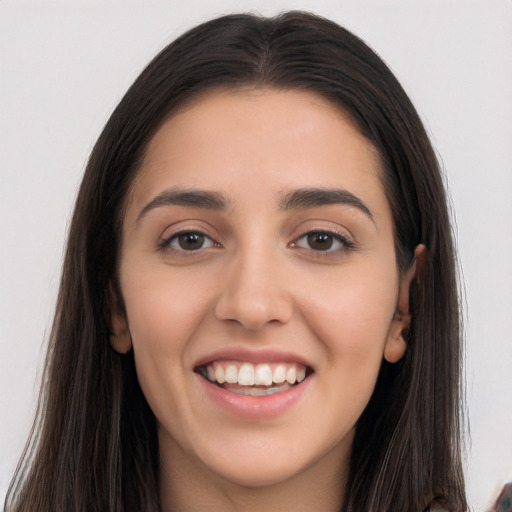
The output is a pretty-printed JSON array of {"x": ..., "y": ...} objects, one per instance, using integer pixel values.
[
  {"x": 120, "y": 339},
  {"x": 396, "y": 345}
]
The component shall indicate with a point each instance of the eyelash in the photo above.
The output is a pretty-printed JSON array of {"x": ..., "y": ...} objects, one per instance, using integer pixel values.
[
  {"x": 335, "y": 238},
  {"x": 167, "y": 243},
  {"x": 344, "y": 243}
]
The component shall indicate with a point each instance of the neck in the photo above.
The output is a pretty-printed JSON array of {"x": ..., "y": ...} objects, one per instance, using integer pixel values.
[{"x": 187, "y": 486}]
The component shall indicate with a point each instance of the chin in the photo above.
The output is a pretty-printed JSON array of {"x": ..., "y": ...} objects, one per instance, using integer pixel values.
[{"x": 257, "y": 477}]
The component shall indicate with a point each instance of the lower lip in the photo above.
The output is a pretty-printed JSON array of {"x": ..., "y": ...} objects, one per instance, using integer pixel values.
[{"x": 254, "y": 407}]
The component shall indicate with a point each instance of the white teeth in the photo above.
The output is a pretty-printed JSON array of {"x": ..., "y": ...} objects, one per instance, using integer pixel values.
[
  {"x": 246, "y": 375},
  {"x": 231, "y": 374},
  {"x": 219, "y": 374},
  {"x": 263, "y": 375},
  {"x": 279, "y": 375},
  {"x": 291, "y": 375}
]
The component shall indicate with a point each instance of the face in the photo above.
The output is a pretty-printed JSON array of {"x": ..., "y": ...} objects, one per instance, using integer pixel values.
[{"x": 260, "y": 285}]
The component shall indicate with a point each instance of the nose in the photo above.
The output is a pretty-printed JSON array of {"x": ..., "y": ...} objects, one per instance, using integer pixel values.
[{"x": 254, "y": 292}]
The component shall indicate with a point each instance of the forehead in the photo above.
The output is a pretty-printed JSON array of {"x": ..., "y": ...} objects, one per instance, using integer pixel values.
[{"x": 241, "y": 140}]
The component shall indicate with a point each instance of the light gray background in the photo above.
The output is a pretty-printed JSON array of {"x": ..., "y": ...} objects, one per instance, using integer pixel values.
[{"x": 64, "y": 66}]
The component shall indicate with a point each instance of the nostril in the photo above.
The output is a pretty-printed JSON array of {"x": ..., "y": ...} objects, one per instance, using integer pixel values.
[
  {"x": 254, "y": 315},
  {"x": 253, "y": 299}
]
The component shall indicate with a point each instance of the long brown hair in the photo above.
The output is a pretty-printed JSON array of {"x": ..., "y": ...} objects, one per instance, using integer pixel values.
[{"x": 93, "y": 445}]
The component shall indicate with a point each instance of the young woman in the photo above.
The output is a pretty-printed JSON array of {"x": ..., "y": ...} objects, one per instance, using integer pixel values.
[{"x": 258, "y": 307}]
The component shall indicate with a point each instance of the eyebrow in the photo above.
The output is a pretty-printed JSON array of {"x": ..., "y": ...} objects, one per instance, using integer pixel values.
[
  {"x": 315, "y": 197},
  {"x": 180, "y": 197},
  {"x": 294, "y": 200}
]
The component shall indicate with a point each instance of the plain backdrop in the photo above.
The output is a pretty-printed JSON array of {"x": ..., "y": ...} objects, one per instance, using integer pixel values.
[{"x": 64, "y": 66}]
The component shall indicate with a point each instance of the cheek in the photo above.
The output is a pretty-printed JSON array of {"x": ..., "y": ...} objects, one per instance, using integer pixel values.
[
  {"x": 352, "y": 312},
  {"x": 162, "y": 307},
  {"x": 163, "y": 312},
  {"x": 350, "y": 315}
]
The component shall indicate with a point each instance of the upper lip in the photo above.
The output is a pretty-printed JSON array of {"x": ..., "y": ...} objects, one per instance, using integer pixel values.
[{"x": 254, "y": 356}]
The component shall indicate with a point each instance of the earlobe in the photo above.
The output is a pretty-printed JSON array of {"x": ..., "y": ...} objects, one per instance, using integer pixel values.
[
  {"x": 120, "y": 338},
  {"x": 396, "y": 345}
]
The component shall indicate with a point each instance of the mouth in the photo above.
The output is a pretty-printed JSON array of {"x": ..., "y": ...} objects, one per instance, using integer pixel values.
[{"x": 261, "y": 379}]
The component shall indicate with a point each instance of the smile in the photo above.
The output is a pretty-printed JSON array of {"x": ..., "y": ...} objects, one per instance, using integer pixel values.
[{"x": 245, "y": 378}]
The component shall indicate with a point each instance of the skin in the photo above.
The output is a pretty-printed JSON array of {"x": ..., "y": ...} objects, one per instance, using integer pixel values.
[{"x": 257, "y": 283}]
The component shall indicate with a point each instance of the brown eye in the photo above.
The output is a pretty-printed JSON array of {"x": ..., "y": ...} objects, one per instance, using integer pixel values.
[
  {"x": 320, "y": 241},
  {"x": 324, "y": 241},
  {"x": 188, "y": 241},
  {"x": 191, "y": 241}
]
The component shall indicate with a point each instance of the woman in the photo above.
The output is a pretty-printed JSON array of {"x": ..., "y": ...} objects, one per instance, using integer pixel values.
[{"x": 258, "y": 307}]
